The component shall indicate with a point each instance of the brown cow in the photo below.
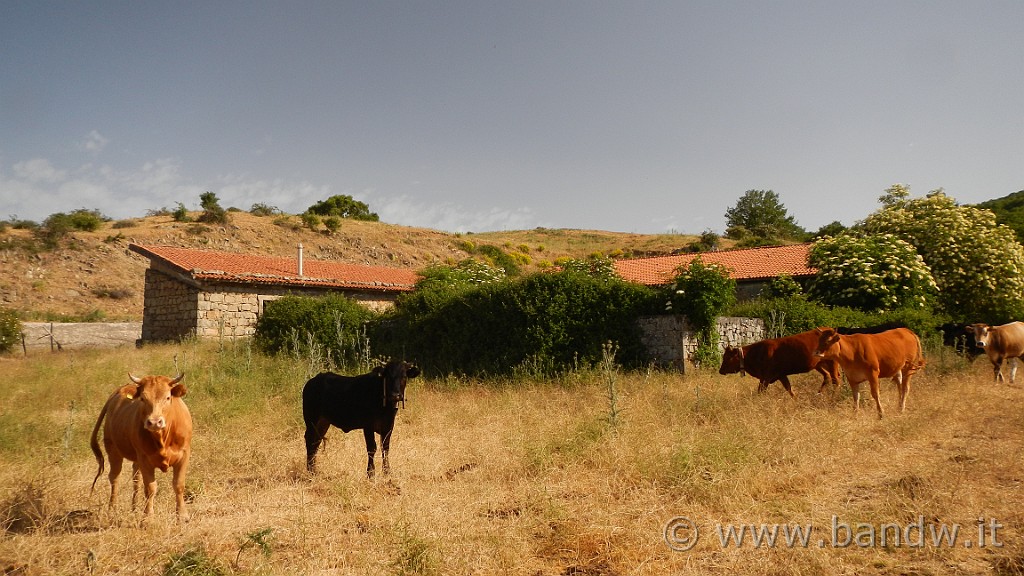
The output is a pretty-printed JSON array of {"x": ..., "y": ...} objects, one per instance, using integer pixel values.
[
  {"x": 1000, "y": 343},
  {"x": 892, "y": 354},
  {"x": 777, "y": 358},
  {"x": 148, "y": 423}
]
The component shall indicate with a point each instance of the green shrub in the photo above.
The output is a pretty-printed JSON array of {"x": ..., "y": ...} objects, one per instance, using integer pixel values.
[
  {"x": 343, "y": 206},
  {"x": 193, "y": 562},
  {"x": 310, "y": 220},
  {"x": 332, "y": 223},
  {"x": 331, "y": 325},
  {"x": 213, "y": 213},
  {"x": 261, "y": 209},
  {"x": 180, "y": 214},
  {"x": 551, "y": 322},
  {"x": 784, "y": 316},
  {"x": 10, "y": 330}
]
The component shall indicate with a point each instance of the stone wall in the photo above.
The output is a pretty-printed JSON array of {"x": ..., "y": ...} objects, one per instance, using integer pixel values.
[
  {"x": 670, "y": 341},
  {"x": 54, "y": 336},
  {"x": 169, "y": 309}
]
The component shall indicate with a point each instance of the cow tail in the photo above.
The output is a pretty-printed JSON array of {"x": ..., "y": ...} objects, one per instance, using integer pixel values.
[
  {"x": 95, "y": 444},
  {"x": 919, "y": 361}
]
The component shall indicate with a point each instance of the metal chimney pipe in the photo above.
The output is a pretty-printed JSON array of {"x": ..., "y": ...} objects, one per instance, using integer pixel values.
[{"x": 300, "y": 258}]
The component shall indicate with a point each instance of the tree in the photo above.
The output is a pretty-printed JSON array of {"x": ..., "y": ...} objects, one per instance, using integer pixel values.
[
  {"x": 760, "y": 218},
  {"x": 977, "y": 264},
  {"x": 343, "y": 206},
  {"x": 1009, "y": 210},
  {"x": 834, "y": 228},
  {"x": 873, "y": 272}
]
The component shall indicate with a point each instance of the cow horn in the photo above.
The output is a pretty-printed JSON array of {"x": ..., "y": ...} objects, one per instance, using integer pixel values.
[
  {"x": 177, "y": 378},
  {"x": 134, "y": 378}
]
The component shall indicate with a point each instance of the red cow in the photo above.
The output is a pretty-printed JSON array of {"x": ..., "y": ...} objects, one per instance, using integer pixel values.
[
  {"x": 777, "y": 358},
  {"x": 148, "y": 423},
  {"x": 892, "y": 354},
  {"x": 1000, "y": 343}
]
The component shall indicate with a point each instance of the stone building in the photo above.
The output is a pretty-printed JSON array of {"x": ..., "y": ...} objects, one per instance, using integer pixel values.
[{"x": 205, "y": 293}]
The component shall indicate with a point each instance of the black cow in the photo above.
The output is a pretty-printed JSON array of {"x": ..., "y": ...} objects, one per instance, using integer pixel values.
[
  {"x": 960, "y": 338},
  {"x": 877, "y": 329},
  {"x": 369, "y": 402}
]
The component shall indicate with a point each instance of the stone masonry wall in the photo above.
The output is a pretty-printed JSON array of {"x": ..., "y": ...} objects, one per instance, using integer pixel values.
[
  {"x": 670, "y": 342},
  {"x": 169, "y": 308}
]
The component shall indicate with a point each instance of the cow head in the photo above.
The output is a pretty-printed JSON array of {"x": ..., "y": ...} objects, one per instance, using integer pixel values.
[
  {"x": 395, "y": 375},
  {"x": 154, "y": 394},
  {"x": 827, "y": 338},
  {"x": 732, "y": 361},
  {"x": 981, "y": 333}
]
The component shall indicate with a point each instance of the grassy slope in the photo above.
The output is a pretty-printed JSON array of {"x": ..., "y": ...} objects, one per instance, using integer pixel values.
[
  {"x": 95, "y": 275},
  {"x": 526, "y": 479}
]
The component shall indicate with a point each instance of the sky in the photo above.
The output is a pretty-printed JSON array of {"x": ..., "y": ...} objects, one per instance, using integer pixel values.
[{"x": 475, "y": 116}]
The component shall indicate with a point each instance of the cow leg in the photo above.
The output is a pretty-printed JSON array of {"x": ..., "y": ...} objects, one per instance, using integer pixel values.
[
  {"x": 873, "y": 381},
  {"x": 825, "y": 377},
  {"x": 371, "y": 449},
  {"x": 787, "y": 386},
  {"x": 179, "y": 486},
  {"x": 762, "y": 385},
  {"x": 904, "y": 384},
  {"x": 136, "y": 481},
  {"x": 385, "y": 445},
  {"x": 315, "y": 432},
  {"x": 148, "y": 474},
  {"x": 997, "y": 368},
  {"x": 855, "y": 389},
  {"x": 1013, "y": 369},
  {"x": 116, "y": 462}
]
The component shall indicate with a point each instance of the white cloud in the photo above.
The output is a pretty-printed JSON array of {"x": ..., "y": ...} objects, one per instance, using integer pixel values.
[
  {"x": 94, "y": 143},
  {"x": 452, "y": 217},
  {"x": 36, "y": 189},
  {"x": 38, "y": 170}
]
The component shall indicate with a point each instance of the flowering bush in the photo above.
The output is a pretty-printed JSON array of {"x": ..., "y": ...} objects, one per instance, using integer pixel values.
[
  {"x": 701, "y": 292},
  {"x": 870, "y": 272},
  {"x": 978, "y": 265}
]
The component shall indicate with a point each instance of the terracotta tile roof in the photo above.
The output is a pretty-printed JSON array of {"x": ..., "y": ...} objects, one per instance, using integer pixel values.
[
  {"x": 272, "y": 270},
  {"x": 745, "y": 264}
]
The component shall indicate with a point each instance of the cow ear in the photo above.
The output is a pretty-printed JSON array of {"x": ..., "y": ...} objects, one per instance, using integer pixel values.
[
  {"x": 179, "y": 390},
  {"x": 129, "y": 391},
  {"x": 412, "y": 371}
]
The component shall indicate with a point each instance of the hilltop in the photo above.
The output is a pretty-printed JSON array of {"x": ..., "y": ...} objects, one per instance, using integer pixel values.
[{"x": 93, "y": 275}]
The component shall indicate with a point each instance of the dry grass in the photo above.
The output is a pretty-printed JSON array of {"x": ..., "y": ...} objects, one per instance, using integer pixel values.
[{"x": 526, "y": 479}]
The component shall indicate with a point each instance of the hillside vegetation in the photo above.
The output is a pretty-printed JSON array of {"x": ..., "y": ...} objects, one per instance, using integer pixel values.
[
  {"x": 93, "y": 275},
  {"x": 579, "y": 476}
]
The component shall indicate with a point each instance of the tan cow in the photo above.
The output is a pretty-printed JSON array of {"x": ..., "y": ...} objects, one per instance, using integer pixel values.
[
  {"x": 148, "y": 423},
  {"x": 1000, "y": 343},
  {"x": 892, "y": 354}
]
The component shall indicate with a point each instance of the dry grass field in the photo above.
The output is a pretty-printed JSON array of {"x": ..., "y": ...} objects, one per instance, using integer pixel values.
[{"x": 525, "y": 478}]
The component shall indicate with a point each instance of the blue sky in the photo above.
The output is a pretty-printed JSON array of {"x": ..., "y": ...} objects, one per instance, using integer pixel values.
[{"x": 643, "y": 117}]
